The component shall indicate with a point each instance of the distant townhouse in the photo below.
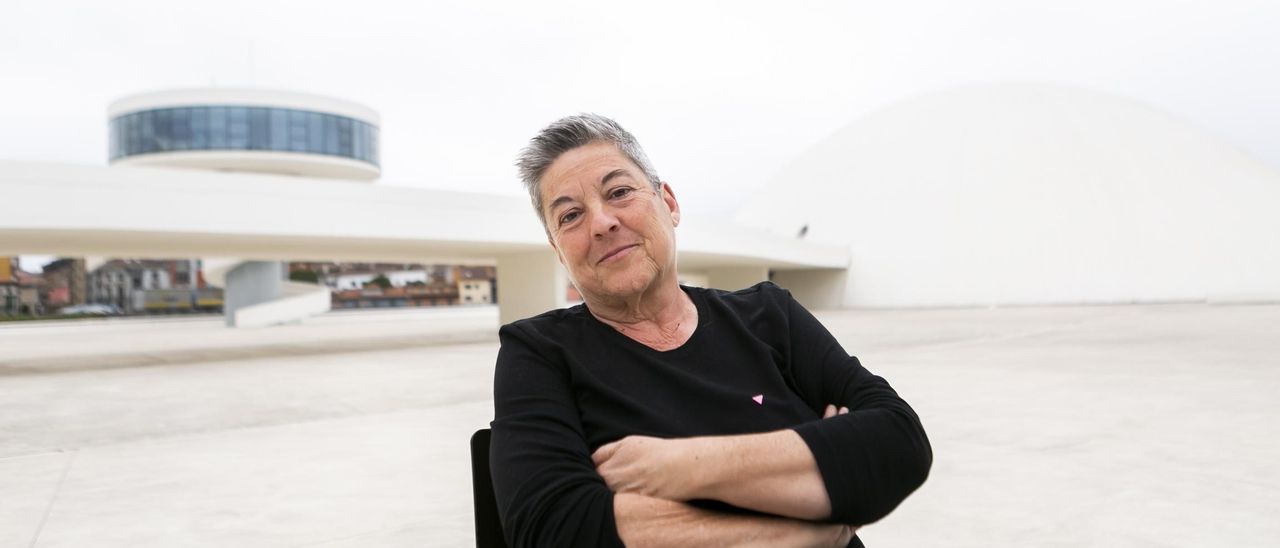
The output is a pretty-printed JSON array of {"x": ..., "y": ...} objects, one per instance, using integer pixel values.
[
  {"x": 64, "y": 283},
  {"x": 9, "y": 286},
  {"x": 153, "y": 286}
]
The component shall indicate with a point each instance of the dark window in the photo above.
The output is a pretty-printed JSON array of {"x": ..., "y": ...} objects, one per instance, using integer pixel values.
[
  {"x": 259, "y": 129},
  {"x": 344, "y": 137},
  {"x": 315, "y": 132},
  {"x": 359, "y": 140},
  {"x": 113, "y": 138},
  {"x": 330, "y": 134},
  {"x": 181, "y": 128},
  {"x": 241, "y": 128},
  {"x": 237, "y": 128},
  {"x": 297, "y": 131},
  {"x": 163, "y": 129},
  {"x": 147, "y": 140},
  {"x": 200, "y": 128},
  {"x": 279, "y": 129},
  {"x": 133, "y": 135},
  {"x": 218, "y": 128}
]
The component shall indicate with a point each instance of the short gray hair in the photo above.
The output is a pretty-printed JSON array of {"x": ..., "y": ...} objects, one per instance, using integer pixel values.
[{"x": 567, "y": 134}]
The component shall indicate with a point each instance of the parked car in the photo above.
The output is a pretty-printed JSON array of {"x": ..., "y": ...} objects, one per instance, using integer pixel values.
[{"x": 91, "y": 310}]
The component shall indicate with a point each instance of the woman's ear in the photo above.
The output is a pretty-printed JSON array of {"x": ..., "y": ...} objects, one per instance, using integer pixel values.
[{"x": 669, "y": 198}]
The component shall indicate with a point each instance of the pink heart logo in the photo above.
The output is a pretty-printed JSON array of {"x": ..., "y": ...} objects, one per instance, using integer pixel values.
[{"x": 759, "y": 399}]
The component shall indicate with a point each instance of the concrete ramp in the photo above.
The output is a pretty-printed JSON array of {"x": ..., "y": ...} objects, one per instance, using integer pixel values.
[{"x": 258, "y": 296}]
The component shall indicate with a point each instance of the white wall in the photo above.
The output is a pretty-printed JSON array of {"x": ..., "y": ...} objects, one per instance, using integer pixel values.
[{"x": 1022, "y": 193}]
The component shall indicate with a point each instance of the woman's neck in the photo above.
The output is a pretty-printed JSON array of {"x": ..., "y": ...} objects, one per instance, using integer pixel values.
[{"x": 662, "y": 318}]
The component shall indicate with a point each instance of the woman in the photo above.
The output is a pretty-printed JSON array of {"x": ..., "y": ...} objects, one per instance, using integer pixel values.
[{"x": 660, "y": 415}]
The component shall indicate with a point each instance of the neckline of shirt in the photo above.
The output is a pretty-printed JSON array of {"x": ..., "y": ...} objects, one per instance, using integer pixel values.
[{"x": 699, "y": 301}]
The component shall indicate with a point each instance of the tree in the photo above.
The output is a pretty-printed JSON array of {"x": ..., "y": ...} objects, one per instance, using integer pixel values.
[
  {"x": 381, "y": 281},
  {"x": 308, "y": 276}
]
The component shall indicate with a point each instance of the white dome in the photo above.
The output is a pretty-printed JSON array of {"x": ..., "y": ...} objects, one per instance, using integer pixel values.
[{"x": 1031, "y": 194}]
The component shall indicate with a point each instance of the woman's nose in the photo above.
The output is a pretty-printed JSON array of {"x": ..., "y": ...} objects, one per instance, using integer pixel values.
[{"x": 602, "y": 222}]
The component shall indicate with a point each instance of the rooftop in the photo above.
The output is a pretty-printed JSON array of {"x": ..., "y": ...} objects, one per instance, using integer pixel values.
[{"x": 1051, "y": 426}]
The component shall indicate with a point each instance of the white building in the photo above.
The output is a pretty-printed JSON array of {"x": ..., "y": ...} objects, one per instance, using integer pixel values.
[
  {"x": 112, "y": 284},
  {"x": 247, "y": 179},
  {"x": 475, "y": 291},
  {"x": 126, "y": 282},
  {"x": 402, "y": 278},
  {"x": 344, "y": 282},
  {"x": 1028, "y": 194},
  {"x": 254, "y": 131}
]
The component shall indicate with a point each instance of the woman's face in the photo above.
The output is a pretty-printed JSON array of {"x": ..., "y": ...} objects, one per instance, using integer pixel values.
[{"x": 613, "y": 233}]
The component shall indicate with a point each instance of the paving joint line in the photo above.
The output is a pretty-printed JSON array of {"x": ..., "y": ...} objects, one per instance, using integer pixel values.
[{"x": 48, "y": 509}]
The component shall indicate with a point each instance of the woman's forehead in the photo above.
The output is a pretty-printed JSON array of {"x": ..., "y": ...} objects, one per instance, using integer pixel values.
[{"x": 586, "y": 166}]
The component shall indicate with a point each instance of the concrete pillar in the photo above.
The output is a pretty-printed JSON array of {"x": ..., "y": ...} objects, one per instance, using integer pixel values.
[
  {"x": 250, "y": 283},
  {"x": 815, "y": 289},
  {"x": 733, "y": 278},
  {"x": 529, "y": 284}
]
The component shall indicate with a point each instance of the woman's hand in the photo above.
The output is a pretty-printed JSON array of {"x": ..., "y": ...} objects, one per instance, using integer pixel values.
[
  {"x": 655, "y": 467},
  {"x": 831, "y": 411},
  {"x": 844, "y": 535}
]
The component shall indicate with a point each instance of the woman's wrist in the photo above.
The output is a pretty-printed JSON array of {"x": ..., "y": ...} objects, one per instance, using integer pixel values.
[{"x": 705, "y": 457}]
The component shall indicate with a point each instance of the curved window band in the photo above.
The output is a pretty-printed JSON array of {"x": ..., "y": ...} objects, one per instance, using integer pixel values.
[{"x": 242, "y": 128}]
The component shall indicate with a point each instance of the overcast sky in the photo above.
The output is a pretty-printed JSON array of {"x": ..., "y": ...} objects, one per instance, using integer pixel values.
[{"x": 721, "y": 95}]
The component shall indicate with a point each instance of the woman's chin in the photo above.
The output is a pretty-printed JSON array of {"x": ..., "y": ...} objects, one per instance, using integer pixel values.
[
  {"x": 624, "y": 283},
  {"x": 623, "y": 287}
]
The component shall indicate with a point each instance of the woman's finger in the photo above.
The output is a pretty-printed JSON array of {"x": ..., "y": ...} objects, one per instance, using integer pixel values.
[
  {"x": 829, "y": 412},
  {"x": 603, "y": 453}
]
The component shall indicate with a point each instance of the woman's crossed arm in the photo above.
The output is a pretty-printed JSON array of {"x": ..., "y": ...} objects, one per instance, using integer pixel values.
[
  {"x": 773, "y": 472},
  {"x": 649, "y": 521}
]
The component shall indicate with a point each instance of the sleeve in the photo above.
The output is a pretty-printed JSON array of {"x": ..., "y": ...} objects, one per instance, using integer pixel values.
[
  {"x": 874, "y": 456},
  {"x": 546, "y": 486}
]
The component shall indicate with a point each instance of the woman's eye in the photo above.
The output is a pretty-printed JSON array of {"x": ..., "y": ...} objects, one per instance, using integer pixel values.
[
  {"x": 620, "y": 192},
  {"x": 568, "y": 217}
]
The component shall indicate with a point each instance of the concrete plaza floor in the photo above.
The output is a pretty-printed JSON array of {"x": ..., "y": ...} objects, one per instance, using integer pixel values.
[{"x": 1051, "y": 426}]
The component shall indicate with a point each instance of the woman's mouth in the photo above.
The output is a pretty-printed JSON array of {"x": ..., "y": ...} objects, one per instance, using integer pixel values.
[{"x": 617, "y": 253}]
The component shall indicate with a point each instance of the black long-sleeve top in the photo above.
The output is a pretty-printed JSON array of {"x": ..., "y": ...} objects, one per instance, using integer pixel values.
[{"x": 566, "y": 384}]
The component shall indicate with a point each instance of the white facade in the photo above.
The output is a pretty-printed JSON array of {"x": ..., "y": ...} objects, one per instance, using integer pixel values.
[
  {"x": 353, "y": 281},
  {"x": 475, "y": 291},
  {"x": 124, "y": 283},
  {"x": 1030, "y": 194},
  {"x": 397, "y": 278},
  {"x": 238, "y": 215},
  {"x": 406, "y": 277},
  {"x": 283, "y": 163}
]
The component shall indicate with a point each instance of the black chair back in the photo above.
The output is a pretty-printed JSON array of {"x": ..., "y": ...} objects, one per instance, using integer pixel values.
[{"x": 488, "y": 525}]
